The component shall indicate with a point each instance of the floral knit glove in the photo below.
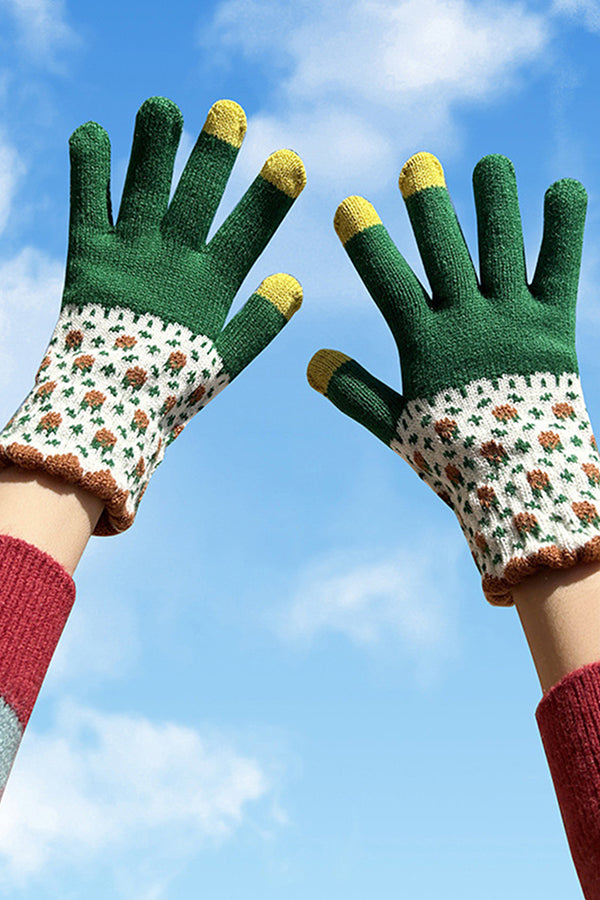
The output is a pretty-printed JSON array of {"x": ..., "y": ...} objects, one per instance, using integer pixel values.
[
  {"x": 492, "y": 415},
  {"x": 140, "y": 346}
]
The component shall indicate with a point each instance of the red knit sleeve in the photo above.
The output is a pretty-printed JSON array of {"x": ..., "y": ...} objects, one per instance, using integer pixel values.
[
  {"x": 568, "y": 718},
  {"x": 36, "y": 596}
]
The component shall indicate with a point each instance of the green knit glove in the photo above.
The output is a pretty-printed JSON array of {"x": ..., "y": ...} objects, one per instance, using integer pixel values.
[
  {"x": 140, "y": 346},
  {"x": 492, "y": 415}
]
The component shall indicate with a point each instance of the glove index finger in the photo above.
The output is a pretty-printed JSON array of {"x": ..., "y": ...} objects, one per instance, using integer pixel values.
[
  {"x": 387, "y": 276},
  {"x": 206, "y": 173},
  {"x": 442, "y": 247},
  {"x": 248, "y": 229},
  {"x": 260, "y": 320},
  {"x": 356, "y": 392}
]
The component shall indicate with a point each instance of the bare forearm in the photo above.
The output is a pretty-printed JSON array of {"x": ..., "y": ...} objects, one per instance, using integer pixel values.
[
  {"x": 560, "y": 615},
  {"x": 45, "y": 525},
  {"x": 54, "y": 516}
]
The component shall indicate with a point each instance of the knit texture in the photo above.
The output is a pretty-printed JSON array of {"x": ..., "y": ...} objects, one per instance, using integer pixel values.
[
  {"x": 141, "y": 343},
  {"x": 568, "y": 718},
  {"x": 36, "y": 596},
  {"x": 492, "y": 414}
]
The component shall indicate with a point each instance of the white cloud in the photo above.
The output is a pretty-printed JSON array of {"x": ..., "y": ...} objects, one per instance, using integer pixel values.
[
  {"x": 30, "y": 291},
  {"x": 586, "y": 10},
  {"x": 43, "y": 30},
  {"x": 105, "y": 623},
  {"x": 389, "y": 71},
  {"x": 11, "y": 170},
  {"x": 100, "y": 782},
  {"x": 406, "y": 598}
]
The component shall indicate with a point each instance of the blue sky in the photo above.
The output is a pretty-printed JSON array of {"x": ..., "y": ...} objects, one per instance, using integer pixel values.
[{"x": 284, "y": 679}]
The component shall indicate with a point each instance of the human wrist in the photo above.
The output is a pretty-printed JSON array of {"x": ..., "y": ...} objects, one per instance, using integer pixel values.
[
  {"x": 560, "y": 615},
  {"x": 53, "y": 515}
]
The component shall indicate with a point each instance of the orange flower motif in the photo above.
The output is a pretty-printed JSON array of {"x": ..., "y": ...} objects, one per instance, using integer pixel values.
[
  {"x": 84, "y": 363},
  {"x": 525, "y": 523},
  {"x": 177, "y": 431},
  {"x": 420, "y": 461},
  {"x": 168, "y": 405},
  {"x": 105, "y": 439},
  {"x": 585, "y": 511},
  {"x": 538, "y": 480},
  {"x": 454, "y": 474},
  {"x": 445, "y": 496},
  {"x": 549, "y": 440},
  {"x": 74, "y": 339},
  {"x": 505, "y": 413},
  {"x": 135, "y": 377},
  {"x": 93, "y": 399},
  {"x": 44, "y": 364},
  {"x": 593, "y": 442},
  {"x": 563, "y": 411},
  {"x": 486, "y": 496},
  {"x": 125, "y": 342},
  {"x": 592, "y": 472},
  {"x": 176, "y": 360},
  {"x": 480, "y": 542},
  {"x": 197, "y": 394},
  {"x": 446, "y": 429},
  {"x": 141, "y": 467},
  {"x": 46, "y": 389},
  {"x": 140, "y": 420},
  {"x": 493, "y": 452},
  {"x": 50, "y": 422}
]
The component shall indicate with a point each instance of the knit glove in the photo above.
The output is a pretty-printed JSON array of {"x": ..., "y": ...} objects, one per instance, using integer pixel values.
[
  {"x": 140, "y": 346},
  {"x": 492, "y": 414}
]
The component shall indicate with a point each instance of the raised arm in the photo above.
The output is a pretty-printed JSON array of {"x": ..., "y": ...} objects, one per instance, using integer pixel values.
[
  {"x": 141, "y": 345},
  {"x": 492, "y": 418}
]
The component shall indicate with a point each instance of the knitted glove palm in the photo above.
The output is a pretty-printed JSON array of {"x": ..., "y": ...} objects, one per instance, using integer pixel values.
[
  {"x": 140, "y": 346},
  {"x": 492, "y": 414}
]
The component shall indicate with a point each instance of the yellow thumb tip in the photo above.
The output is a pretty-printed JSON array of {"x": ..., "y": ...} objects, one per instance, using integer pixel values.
[
  {"x": 353, "y": 215},
  {"x": 283, "y": 291},
  {"x": 226, "y": 120},
  {"x": 421, "y": 171},
  {"x": 322, "y": 367},
  {"x": 285, "y": 170}
]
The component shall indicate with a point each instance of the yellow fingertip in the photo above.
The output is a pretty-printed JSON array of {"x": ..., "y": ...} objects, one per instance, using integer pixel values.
[
  {"x": 421, "y": 171},
  {"x": 352, "y": 216},
  {"x": 226, "y": 120},
  {"x": 322, "y": 367},
  {"x": 283, "y": 291},
  {"x": 286, "y": 171}
]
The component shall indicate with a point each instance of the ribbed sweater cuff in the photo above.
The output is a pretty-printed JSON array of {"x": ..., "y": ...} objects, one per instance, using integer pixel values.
[
  {"x": 568, "y": 718},
  {"x": 36, "y": 596}
]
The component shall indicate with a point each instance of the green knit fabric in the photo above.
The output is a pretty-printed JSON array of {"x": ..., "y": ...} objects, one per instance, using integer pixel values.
[
  {"x": 155, "y": 259},
  {"x": 465, "y": 329},
  {"x": 141, "y": 343},
  {"x": 491, "y": 413}
]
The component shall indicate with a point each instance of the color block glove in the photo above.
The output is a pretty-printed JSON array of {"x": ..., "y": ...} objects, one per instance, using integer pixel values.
[
  {"x": 140, "y": 346},
  {"x": 492, "y": 415}
]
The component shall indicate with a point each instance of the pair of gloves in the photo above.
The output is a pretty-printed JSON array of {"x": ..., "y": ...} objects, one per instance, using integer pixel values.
[{"x": 492, "y": 415}]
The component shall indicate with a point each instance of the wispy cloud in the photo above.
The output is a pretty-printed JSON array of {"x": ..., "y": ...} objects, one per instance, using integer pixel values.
[
  {"x": 11, "y": 170},
  {"x": 405, "y": 597},
  {"x": 389, "y": 73},
  {"x": 586, "y": 11},
  {"x": 104, "y": 621},
  {"x": 100, "y": 783},
  {"x": 30, "y": 290},
  {"x": 42, "y": 29}
]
